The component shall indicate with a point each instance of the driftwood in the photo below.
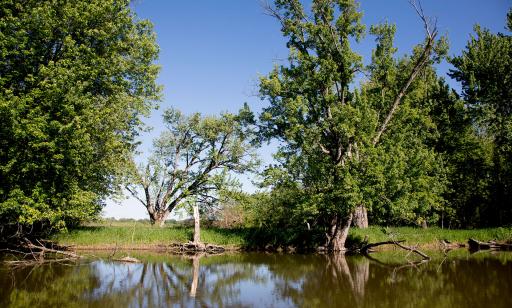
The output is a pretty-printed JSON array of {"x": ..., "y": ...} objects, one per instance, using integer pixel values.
[
  {"x": 366, "y": 248},
  {"x": 43, "y": 251},
  {"x": 447, "y": 245},
  {"x": 192, "y": 247},
  {"x": 476, "y": 245}
]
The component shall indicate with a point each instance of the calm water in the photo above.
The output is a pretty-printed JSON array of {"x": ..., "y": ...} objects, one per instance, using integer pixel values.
[{"x": 265, "y": 280}]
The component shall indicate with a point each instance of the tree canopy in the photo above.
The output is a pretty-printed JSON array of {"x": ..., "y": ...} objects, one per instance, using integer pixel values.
[
  {"x": 192, "y": 161},
  {"x": 483, "y": 69},
  {"x": 75, "y": 79},
  {"x": 343, "y": 146}
]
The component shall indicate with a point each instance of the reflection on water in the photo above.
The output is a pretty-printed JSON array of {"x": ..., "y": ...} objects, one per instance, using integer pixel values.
[{"x": 264, "y": 280}]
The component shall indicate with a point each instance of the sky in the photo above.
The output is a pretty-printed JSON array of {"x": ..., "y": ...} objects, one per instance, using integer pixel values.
[{"x": 213, "y": 52}]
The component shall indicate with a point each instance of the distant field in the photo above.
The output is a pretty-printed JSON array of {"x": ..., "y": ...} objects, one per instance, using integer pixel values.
[{"x": 137, "y": 233}]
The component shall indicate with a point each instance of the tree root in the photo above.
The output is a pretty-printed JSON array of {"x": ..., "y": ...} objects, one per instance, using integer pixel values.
[{"x": 192, "y": 247}]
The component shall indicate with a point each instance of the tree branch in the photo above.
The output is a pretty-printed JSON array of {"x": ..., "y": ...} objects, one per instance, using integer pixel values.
[
  {"x": 135, "y": 195},
  {"x": 431, "y": 31}
]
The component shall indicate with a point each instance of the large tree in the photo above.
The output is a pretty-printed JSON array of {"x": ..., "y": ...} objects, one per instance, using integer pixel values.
[
  {"x": 192, "y": 161},
  {"x": 340, "y": 146},
  {"x": 484, "y": 71},
  {"x": 75, "y": 78}
]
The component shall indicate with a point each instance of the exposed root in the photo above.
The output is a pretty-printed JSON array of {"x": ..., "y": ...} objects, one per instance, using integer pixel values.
[{"x": 192, "y": 247}]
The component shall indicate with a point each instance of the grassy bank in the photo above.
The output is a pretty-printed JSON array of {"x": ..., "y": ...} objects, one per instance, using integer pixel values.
[
  {"x": 430, "y": 235},
  {"x": 133, "y": 234},
  {"x": 139, "y": 234}
]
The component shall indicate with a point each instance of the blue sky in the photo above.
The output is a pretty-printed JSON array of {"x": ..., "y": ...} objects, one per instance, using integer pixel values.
[{"x": 212, "y": 52}]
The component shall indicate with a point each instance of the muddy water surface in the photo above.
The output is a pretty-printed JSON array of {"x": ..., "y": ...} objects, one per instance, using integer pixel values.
[{"x": 264, "y": 280}]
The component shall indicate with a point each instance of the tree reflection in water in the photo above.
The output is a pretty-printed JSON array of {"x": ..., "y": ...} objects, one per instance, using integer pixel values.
[{"x": 252, "y": 279}]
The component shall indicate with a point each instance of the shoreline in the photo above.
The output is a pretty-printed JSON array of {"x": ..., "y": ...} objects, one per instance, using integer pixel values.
[
  {"x": 172, "y": 247},
  {"x": 146, "y": 238},
  {"x": 141, "y": 247}
]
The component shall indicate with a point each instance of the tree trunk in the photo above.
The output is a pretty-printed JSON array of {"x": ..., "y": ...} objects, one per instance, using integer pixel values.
[
  {"x": 360, "y": 217},
  {"x": 424, "y": 224},
  {"x": 339, "y": 233},
  {"x": 197, "y": 230},
  {"x": 158, "y": 218}
]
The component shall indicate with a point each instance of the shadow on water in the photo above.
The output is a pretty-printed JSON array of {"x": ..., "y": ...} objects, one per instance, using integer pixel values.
[{"x": 258, "y": 279}]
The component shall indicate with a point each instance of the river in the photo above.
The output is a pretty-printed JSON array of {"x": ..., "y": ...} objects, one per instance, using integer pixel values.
[{"x": 389, "y": 279}]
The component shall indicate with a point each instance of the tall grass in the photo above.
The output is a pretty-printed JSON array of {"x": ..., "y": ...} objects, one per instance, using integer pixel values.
[
  {"x": 137, "y": 233},
  {"x": 430, "y": 235},
  {"x": 142, "y": 233}
]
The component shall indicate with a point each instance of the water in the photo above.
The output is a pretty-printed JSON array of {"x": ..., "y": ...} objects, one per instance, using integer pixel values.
[{"x": 264, "y": 280}]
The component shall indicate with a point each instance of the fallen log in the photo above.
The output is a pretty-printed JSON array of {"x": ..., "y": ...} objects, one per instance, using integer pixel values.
[
  {"x": 366, "y": 248},
  {"x": 28, "y": 253},
  {"x": 476, "y": 245},
  {"x": 44, "y": 250}
]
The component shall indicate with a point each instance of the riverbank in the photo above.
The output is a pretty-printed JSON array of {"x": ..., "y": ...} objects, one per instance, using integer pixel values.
[{"x": 143, "y": 236}]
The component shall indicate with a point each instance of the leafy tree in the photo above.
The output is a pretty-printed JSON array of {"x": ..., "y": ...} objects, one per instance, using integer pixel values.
[
  {"x": 484, "y": 71},
  {"x": 75, "y": 78},
  {"x": 192, "y": 161},
  {"x": 339, "y": 144},
  {"x": 467, "y": 157}
]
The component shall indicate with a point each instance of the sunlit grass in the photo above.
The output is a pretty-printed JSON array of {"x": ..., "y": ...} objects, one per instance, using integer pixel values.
[{"x": 142, "y": 233}]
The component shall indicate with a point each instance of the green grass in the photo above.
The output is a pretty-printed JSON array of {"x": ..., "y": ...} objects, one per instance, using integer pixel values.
[
  {"x": 431, "y": 235},
  {"x": 142, "y": 233},
  {"x": 137, "y": 233}
]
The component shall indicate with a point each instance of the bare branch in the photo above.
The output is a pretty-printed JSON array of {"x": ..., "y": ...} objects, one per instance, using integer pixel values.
[
  {"x": 135, "y": 195},
  {"x": 270, "y": 11},
  {"x": 431, "y": 32}
]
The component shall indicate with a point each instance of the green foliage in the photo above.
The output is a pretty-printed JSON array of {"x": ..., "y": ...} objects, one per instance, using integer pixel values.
[
  {"x": 467, "y": 157},
  {"x": 344, "y": 146},
  {"x": 75, "y": 78},
  {"x": 483, "y": 69}
]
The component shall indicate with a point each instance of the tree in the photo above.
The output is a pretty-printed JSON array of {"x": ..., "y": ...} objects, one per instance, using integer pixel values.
[
  {"x": 192, "y": 161},
  {"x": 75, "y": 78},
  {"x": 484, "y": 72},
  {"x": 335, "y": 139},
  {"x": 467, "y": 157}
]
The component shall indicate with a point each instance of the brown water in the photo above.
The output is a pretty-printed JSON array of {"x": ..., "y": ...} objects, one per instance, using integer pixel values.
[{"x": 264, "y": 280}]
